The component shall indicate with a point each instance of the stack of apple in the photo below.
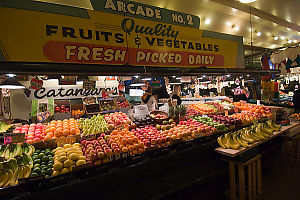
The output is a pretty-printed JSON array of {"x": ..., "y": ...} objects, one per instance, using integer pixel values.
[
  {"x": 217, "y": 105},
  {"x": 62, "y": 109},
  {"x": 124, "y": 104},
  {"x": 191, "y": 112},
  {"x": 198, "y": 128},
  {"x": 96, "y": 151},
  {"x": 228, "y": 121},
  {"x": 33, "y": 132},
  {"x": 118, "y": 119},
  {"x": 125, "y": 141},
  {"x": 151, "y": 137}
]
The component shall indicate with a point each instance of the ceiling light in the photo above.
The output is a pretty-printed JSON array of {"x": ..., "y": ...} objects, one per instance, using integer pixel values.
[
  {"x": 275, "y": 38},
  {"x": 247, "y": 1},
  {"x": 295, "y": 41},
  {"x": 11, "y": 83},
  {"x": 136, "y": 76},
  {"x": 137, "y": 82},
  {"x": 228, "y": 23},
  {"x": 146, "y": 79},
  {"x": 178, "y": 78},
  {"x": 258, "y": 34},
  {"x": 174, "y": 81},
  {"x": 234, "y": 9},
  {"x": 207, "y": 21},
  {"x": 79, "y": 82},
  {"x": 10, "y": 75},
  {"x": 290, "y": 41},
  {"x": 236, "y": 28},
  {"x": 282, "y": 37}
]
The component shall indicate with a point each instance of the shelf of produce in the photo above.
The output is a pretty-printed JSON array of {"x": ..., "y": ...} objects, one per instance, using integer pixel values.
[{"x": 234, "y": 153}]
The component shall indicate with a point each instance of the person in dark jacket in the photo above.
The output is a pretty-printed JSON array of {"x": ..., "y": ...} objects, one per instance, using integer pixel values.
[{"x": 296, "y": 101}]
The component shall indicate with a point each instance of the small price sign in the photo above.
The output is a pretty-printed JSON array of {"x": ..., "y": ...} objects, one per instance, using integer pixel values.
[
  {"x": 65, "y": 140},
  {"x": 7, "y": 140}
]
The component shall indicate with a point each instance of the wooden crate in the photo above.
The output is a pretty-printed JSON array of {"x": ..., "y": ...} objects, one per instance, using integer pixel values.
[{"x": 291, "y": 149}]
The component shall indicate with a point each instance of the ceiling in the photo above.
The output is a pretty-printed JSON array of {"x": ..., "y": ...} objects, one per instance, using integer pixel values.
[{"x": 272, "y": 18}]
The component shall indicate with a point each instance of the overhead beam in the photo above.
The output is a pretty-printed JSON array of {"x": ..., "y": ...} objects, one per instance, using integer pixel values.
[{"x": 259, "y": 13}]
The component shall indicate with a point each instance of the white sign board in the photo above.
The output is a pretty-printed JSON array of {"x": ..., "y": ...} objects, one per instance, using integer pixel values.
[{"x": 70, "y": 92}]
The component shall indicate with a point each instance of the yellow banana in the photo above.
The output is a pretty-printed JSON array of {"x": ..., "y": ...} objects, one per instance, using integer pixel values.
[
  {"x": 241, "y": 141},
  {"x": 26, "y": 172},
  {"x": 260, "y": 131},
  {"x": 4, "y": 178},
  {"x": 225, "y": 142},
  {"x": 10, "y": 175},
  {"x": 221, "y": 143},
  {"x": 21, "y": 172}
]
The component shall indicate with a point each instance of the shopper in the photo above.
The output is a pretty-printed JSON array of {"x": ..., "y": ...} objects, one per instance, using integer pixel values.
[
  {"x": 149, "y": 100},
  {"x": 176, "y": 94},
  {"x": 296, "y": 101}
]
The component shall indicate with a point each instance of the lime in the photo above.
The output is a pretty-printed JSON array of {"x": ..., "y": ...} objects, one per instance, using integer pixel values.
[
  {"x": 34, "y": 174},
  {"x": 45, "y": 159},
  {"x": 44, "y": 163},
  {"x": 43, "y": 172},
  {"x": 50, "y": 165},
  {"x": 35, "y": 157},
  {"x": 42, "y": 166},
  {"x": 50, "y": 158},
  {"x": 36, "y": 165},
  {"x": 49, "y": 171},
  {"x": 36, "y": 170},
  {"x": 38, "y": 151},
  {"x": 41, "y": 155},
  {"x": 48, "y": 150},
  {"x": 48, "y": 153},
  {"x": 37, "y": 161}
]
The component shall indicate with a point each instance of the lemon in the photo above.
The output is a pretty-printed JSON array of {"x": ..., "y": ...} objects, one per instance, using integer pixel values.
[
  {"x": 57, "y": 149},
  {"x": 73, "y": 156},
  {"x": 55, "y": 173},
  {"x": 64, "y": 170},
  {"x": 62, "y": 159},
  {"x": 80, "y": 162},
  {"x": 81, "y": 158},
  {"x": 79, "y": 153},
  {"x": 70, "y": 152},
  {"x": 67, "y": 146},
  {"x": 68, "y": 163},
  {"x": 61, "y": 154},
  {"x": 76, "y": 145},
  {"x": 70, "y": 169},
  {"x": 57, "y": 166}
]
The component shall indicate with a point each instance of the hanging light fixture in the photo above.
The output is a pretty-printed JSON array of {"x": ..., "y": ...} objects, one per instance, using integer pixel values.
[
  {"x": 11, "y": 83},
  {"x": 247, "y": 1}
]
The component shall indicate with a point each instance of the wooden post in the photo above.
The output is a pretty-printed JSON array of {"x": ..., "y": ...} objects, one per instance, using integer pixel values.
[
  {"x": 232, "y": 180},
  {"x": 259, "y": 178},
  {"x": 241, "y": 181},
  {"x": 254, "y": 179},
  {"x": 249, "y": 182}
]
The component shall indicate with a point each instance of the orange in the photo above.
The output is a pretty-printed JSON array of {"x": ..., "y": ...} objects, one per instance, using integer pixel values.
[
  {"x": 125, "y": 149},
  {"x": 47, "y": 137},
  {"x": 72, "y": 131},
  {"x": 130, "y": 140},
  {"x": 65, "y": 132},
  {"x": 130, "y": 148},
  {"x": 136, "y": 146}
]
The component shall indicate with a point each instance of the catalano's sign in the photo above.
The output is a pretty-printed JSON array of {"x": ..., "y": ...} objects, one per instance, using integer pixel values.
[
  {"x": 139, "y": 10},
  {"x": 70, "y": 92},
  {"x": 117, "y": 41}
]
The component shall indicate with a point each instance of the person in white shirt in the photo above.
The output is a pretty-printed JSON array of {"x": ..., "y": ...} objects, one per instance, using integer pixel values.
[{"x": 149, "y": 100}]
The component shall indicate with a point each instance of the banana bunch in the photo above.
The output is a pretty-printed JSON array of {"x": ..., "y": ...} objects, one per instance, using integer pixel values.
[
  {"x": 4, "y": 127},
  {"x": 8, "y": 172},
  {"x": 14, "y": 150},
  {"x": 246, "y": 136}
]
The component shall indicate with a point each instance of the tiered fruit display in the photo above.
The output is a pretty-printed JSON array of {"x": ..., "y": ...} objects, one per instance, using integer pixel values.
[
  {"x": 42, "y": 162},
  {"x": 15, "y": 163},
  {"x": 158, "y": 116},
  {"x": 246, "y": 136},
  {"x": 216, "y": 105},
  {"x": 228, "y": 121},
  {"x": 150, "y": 136},
  {"x": 244, "y": 117},
  {"x": 118, "y": 119},
  {"x": 210, "y": 122},
  {"x": 33, "y": 132},
  {"x": 66, "y": 157},
  {"x": 198, "y": 128},
  {"x": 56, "y": 129},
  {"x": 126, "y": 141},
  {"x": 191, "y": 112},
  {"x": 97, "y": 151},
  {"x": 94, "y": 125},
  {"x": 202, "y": 108},
  {"x": 62, "y": 109},
  {"x": 295, "y": 116}
]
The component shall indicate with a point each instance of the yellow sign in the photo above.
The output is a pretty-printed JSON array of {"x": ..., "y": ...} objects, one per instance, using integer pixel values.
[{"x": 110, "y": 39}]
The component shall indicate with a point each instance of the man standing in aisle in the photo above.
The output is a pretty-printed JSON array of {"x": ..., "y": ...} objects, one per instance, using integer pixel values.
[{"x": 296, "y": 100}]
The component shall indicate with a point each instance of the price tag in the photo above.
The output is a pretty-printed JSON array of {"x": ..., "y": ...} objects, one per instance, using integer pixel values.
[
  {"x": 43, "y": 116},
  {"x": 7, "y": 140},
  {"x": 226, "y": 112},
  {"x": 65, "y": 140}
]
